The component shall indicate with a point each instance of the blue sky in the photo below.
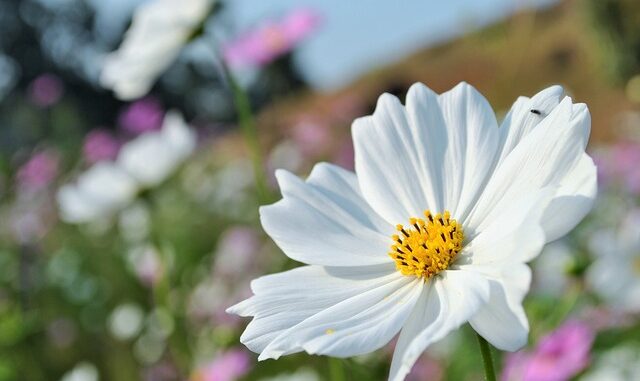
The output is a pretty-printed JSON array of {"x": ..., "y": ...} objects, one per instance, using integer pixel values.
[{"x": 359, "y": 35}]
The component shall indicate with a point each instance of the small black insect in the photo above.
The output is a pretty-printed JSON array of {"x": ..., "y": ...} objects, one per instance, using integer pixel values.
[{"x": 535, "y": 111}]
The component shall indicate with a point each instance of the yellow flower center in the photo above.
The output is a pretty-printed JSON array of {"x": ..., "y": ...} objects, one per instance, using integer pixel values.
[{"x": 426, "y": 247}]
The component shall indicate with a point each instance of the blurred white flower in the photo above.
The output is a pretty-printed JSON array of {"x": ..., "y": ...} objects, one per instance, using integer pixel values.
[
  {"x": 108, "y": 187},
  {"x": 153, "y": 156},
  {"x": 83, "y": 371},
  {"x": 148, "y": 349},
  {"x": 550, "y": 276},
  {"x": 617, "y": 364},
  {"x": 286, "y": 155},
  {"x": 135, "y": 222},
  {"x": 103, "y": 188},
  {"x": 125, "y": 322},
  {"x": 160, "y": 322},
  {"x": 491, "y": 197},
  {"x": 158, "y": 32},
  {"x": 615, "y": 274},
  {"x": 145, "y": 262}
]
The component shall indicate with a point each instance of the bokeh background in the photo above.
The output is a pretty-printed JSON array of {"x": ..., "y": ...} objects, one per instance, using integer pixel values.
[{"x": 140, "y": 293}]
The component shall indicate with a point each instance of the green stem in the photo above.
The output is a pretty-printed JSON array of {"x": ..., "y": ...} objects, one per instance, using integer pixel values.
[
  {"x": 336, "y": 370},
  {"x": 250, "y": 132},
  {"x": 487, "y": 359}
]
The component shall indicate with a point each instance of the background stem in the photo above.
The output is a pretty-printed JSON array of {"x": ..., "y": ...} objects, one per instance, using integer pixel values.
[
  {"x": 336, "y": 369},
  {"x": 250, "y": 132}
]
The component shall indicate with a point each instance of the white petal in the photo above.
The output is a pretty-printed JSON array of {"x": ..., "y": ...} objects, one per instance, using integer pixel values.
[
  {"x": 427, "y": 125},
  {"x": 434, "y": 155},
  {"x": 525, "y": 115},
  {"x": 514, "y": 236},
  {"x": 543, "y": 158},
  {"x": 473, "y": 139},
  {"x": 325, "y": 221},
  {"x": 355, "y": 326},
  {"x": 386, "y": 162},
  {"x": 572, "y": 201},
  {"x": 286, "y": 299},
  {"x": 498, "y": 253},
  {"x": 445, "y": 304},
  {"x": 502, "y": 320}
]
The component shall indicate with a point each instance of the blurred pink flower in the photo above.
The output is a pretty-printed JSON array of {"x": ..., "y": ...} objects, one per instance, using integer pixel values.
[
  {"x": 228, "y": 366},
  {"x": 148, "y": 267},
  {"x": 618, "y": 164},
  {"x": 345, "y": 155},
  {"x": 345, "y": 108},
  {"x": 558, "y": 356},
  {"x": 163, "y": 371},
  {"x": 236, "y": 251},
  {"x": 626, "y": 156},
  {"x": 425, "y": 369},
  {"x": 312, "y": 137},
  {"x": 46, "y": 90},
  {"x": 264, "y": 44},
  {"x": 141, "y": 116},
  {"x": 39, "y": 171},
  {"x": 602, "y": 317},
  {"x": 27, "y": 223},
  {"x": 100, "y": 145}
]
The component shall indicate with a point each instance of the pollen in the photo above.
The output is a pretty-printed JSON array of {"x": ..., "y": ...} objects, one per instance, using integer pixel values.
[{"x": 425, "y": 247}]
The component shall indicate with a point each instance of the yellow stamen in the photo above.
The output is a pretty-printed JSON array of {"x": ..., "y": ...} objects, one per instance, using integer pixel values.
[{"x": 426, "y": 247}]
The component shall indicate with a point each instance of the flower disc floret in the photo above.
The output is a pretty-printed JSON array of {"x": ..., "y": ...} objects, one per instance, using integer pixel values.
[{"x": 426, "y": 246}]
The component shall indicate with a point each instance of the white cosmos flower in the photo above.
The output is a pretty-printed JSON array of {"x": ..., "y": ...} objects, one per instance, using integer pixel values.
[
  {"x": 617, "y": 364},
  {"x": 142, "y": 163},
  {"x": 615, "y": 274},
  {"x": 103, "y": 188},
  {"x": 153, "y": 156},
  {"x": 159, "y": 30},
  {"x": 476, "y": 202}
]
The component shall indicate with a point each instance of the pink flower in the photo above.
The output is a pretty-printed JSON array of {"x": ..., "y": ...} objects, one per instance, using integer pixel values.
[
  {"x": 626, "y": 156},
  {"x": 46, "y": 90},
  {"x": 311, "y": 136},
  {"x": 228, "y": 366},
  {"x": 39, "y": 171},
  {"x": 99, "y": 145},
  {"x": 263, "y": 45},
  {"x": 558, "y": 356},
  {"x": 237, "y": 251},
  {"x": 345, "y": 156},
  {"x": 425, "y": 369},
  {"x": 618, "y": 165},
  {"x": 148, "y": 267},
  {"x": 141, "y": 116}
]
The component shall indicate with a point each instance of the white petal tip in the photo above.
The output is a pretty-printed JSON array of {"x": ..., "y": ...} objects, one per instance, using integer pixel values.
[{"x": 269, "y": 355}]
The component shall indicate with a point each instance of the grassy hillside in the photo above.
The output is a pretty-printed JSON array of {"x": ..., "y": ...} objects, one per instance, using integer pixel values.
[{"x": 516, "y": 57}]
